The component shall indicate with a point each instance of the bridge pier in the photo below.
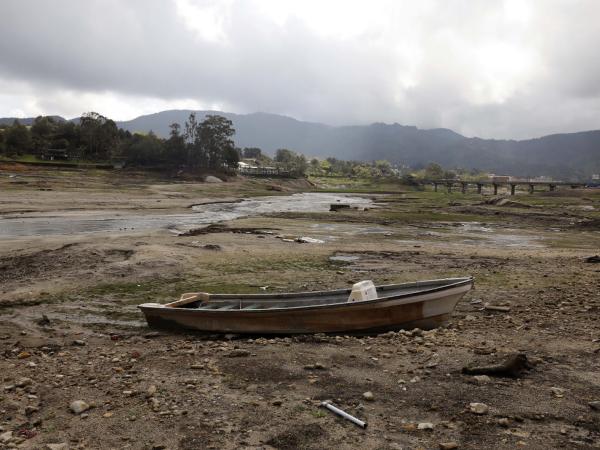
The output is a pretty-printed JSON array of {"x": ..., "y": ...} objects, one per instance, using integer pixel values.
[
  {"x": 449, "y": 186},
  {"x": 552, "y": 187},
  {"x": 512, "y": 189},
  {"x": 463, "y": 187},
  {"x": 479, "y": 188},
  {"x": 435, "y": 187},
  {"x": 495, "y": 189},
  {"x": 531, "y": 188}
]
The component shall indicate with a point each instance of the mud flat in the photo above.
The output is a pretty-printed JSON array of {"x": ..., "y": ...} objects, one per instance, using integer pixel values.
[{"x": 70, "y": 330}]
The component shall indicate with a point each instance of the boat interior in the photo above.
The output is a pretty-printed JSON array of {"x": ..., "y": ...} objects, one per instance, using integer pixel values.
[{"x": 225, "y": 302}]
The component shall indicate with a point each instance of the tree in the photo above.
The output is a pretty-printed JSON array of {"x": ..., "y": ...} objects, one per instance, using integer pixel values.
[
  {"x": 215, "y": 134},
  {"x": 175, "y": 145},
  {"x": 295, "y": 163},
  {"x": 434, "y": 171},
  {"x": 315, "y": 166},
  {"x": 384, "y": 167},
  {"x": 99, "y": 136},
  {"x": 43, "y": 132},
  {"x": 143, "y": 150},
  {"x": 252, "y": 152},
  {"x": 231, "y": 157},
  {"x": 195, "y": 156},
  {"x": 17, "y": 138}
]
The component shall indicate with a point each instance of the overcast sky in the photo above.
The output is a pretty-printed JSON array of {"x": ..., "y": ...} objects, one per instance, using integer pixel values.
[{"x": 504, "y": 69}]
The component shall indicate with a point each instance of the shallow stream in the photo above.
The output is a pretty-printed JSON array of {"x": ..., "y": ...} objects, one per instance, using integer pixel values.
[{"x": 100, "y": 221}]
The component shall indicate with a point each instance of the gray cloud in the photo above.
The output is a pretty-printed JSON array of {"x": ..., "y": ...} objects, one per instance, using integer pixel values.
[{"x": 508, "y": 69}]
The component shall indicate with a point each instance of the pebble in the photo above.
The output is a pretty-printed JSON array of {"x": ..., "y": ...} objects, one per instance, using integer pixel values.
[
  {"x": 6, "y": 436},
  {"x": 368, "y": 396},
  {"x": 151, "y": 391},
  {"x": 595, "y": 405},
  {"x": 479, "y": 408},
  {"x": 504, "y": 422},
  {"x": 61, "y": 446},
  {"x": 22, "y": 382},
  {"x": 482, "y": 379},
  {"x": 79, "y": 342},
  {"x": 23, "y": 355},
  {"x": 425, "y": 426},
  {"x": 29, "y": 410},
  {"x": 448, "y": 445},
  {"x": 558, "y": 392},
  {"x": 79, "y": 406}
]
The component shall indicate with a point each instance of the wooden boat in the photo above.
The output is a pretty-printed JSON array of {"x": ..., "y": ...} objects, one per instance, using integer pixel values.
[{"x": 423, "y": 304}]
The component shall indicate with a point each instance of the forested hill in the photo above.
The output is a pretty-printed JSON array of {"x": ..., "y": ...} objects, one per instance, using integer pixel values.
[
  {"x": 560, "y": 155},
  {"x": 573, "y": 155},
  {"x": 28, "y": 121}
]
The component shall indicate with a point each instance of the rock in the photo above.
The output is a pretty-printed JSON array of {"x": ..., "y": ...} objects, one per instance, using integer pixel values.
[
  {"x": 309, "y": 240},
  {"x": 214, "y": 247},
  {"x": 6, "y": 437},
  {"x": 425, "y": 426},
  {"x": 315, "y": 366},
  {"x": 479, "y": 408},
  {"x": 23, "y": 355},
  {"x": 490, "y": 307},
  {"x": 61, "y": 446},
  {"x": 558, "y": 392},
  {"x": 504, "y": 422},
  {"x": 151, "y": 391},
  {"x": 368, "y": 396},
  {"x": 79, "y": 406},
  {"x": 211, "y": 179},
  {"x": 595, "y": 405},
  {"x": 409, "y": 426},
  {"x": 482, "y": 379},
  {"x": 277, "y": 402},
  {"x": 79, "y": 342},
  {"x": 22, "y": 382},
  {"x": 448, "y": 445},
  {"x": 29, "y": 410},
  {"x": 154, "y": 404},
  {"x": 238, "y": 353}
]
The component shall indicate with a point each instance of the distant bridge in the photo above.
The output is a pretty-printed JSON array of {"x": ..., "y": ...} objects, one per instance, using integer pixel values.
[{"x": 512, "y": 184}]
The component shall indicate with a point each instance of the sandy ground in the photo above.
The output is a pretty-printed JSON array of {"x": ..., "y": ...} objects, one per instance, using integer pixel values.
[{"x": 70, "y": 330}]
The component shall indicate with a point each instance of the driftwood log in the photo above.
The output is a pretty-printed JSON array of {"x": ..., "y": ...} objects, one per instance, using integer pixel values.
[{"x": 514, "y": 367}]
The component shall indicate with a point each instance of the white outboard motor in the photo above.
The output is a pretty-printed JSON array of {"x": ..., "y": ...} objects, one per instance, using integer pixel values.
[{"x": 363, "y": 290}]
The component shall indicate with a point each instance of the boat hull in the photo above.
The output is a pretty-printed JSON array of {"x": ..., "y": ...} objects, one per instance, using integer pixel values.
[{"x": 427, "y": 310}]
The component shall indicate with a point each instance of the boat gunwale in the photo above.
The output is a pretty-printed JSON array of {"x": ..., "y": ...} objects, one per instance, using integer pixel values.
[{"x": 462, "y": 281}]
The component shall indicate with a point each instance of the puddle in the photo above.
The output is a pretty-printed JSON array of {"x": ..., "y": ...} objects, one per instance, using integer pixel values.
[
  {"x": 344, "y": 258},
  {"x": 94, "y": 222},
  {"x": 477, "y": 233}
]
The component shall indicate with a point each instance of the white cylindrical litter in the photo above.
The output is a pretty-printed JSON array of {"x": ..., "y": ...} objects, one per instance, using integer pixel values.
[{"x": 344, "y": 414}]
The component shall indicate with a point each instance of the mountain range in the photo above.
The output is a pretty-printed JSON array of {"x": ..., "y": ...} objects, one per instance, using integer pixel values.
[{"x": 567, "y": 155}]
